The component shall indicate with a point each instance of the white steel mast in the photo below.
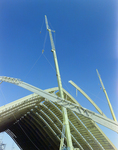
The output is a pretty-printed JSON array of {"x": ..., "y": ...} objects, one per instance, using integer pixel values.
[
  {"x": 110, "y": 106},
  {"x": 64, "y": 111}
]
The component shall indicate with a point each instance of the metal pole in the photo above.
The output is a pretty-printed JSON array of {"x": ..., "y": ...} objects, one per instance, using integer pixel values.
[
  {"x": 90, "y": 100},
  {"x": 110, "y": 106},
  {"x": 64, "y": 111}
]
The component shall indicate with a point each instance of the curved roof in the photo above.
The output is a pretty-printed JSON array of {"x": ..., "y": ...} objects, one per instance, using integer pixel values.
[{"x": 34, "y": 122}]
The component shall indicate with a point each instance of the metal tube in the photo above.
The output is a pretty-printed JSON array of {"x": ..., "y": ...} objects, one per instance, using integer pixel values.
[
  {"x": 110, "y": 106},
  {"x": 90, "y": 100},
  {"x": 64, "y": 111}
]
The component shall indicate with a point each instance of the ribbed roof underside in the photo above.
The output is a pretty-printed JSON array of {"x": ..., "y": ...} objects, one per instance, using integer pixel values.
[{"x": 38, "y": 123}]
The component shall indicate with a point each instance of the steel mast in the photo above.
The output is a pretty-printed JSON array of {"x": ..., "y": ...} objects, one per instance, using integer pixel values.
[
  {"x": 110, "y": 106},
  {"x": 64, "y": 111}
]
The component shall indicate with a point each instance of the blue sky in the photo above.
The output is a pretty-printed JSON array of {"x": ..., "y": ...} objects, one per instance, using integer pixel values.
[{"x": 86, "y": 39}]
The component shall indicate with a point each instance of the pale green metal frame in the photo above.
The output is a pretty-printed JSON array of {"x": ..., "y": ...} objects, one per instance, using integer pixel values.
[{"x": 113, "y": 125}]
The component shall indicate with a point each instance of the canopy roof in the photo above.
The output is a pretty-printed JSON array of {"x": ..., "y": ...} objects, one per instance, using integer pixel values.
[{"x": 34, "y": 122}]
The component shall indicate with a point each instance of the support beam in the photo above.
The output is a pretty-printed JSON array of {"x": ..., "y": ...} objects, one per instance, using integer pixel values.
[
  {"x": 64, "y": 111},
  {"x": 90, "y": 100},
  {"x": 110, "y": 106}
]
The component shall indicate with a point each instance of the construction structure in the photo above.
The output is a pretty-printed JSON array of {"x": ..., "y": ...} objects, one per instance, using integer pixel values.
[{"x": 53, "y": 119}]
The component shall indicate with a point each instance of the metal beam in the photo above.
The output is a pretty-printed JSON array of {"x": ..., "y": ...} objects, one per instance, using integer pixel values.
[
  {"x": 56, "y": 118},
  {"x": 113, "y": 125},
  {"x": 64, "y": 111},
  {"x": 104, "y": 90},
  {"x": 90, "y": 100}
]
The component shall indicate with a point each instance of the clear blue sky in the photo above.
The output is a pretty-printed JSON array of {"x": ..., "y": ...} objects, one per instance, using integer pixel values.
[{"x": 86, "y": 39}]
